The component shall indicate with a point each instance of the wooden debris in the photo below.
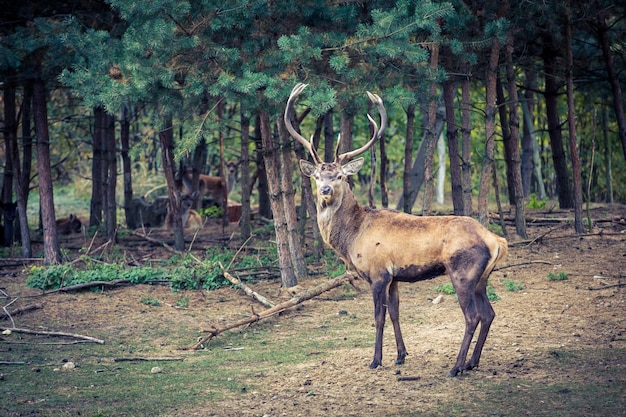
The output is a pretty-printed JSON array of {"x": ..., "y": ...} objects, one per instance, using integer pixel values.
[
  {"x": 21, "y": 310},
  {"x": 142, "y": 359},
  {"x": 56, "y": 334},
  {"x": 306, "y": 295},
  {"x": 248, "y": 290}
]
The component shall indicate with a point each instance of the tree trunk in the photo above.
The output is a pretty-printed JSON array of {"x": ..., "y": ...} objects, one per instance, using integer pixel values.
[
  {"x": 271, "y": 160},
  {"x": 491, "y": 76},
  {"x": 512, "y": 146},
  {"x": 571, "y": 116},
  {"x": 530, "y": 85},
  {"x": 466, "y": 136},
  {"x": 166, "y": 138},
  {"x": 554, "y": 126},
  {"x": 408, "y": 157},
  {"x": 27, "y": 139},
  {"x": 223, "y": 172},
  {"x": 21, "y": 189},
  {"x": 110, "y": 179},
  {"x": 197, "y": 164},
  {"x": 52, "y": 252},
  {"x": 127, "y": 174},
  {"x": 329, "y": 136},
  {"x": 506, "y": 138},
  {"x": 607, "y": 156},
  {"x": 285, "y": 163},
  {"x": 431, "y": 133},
  {"x": 97, "y": 164},
  {"x": 12, "y": 173},
  {"x": 244, "y": 161},
  {"x": 265, "y": 207},
  {"x": 452, "y": 134},
  {"x": 618, "y": 100},
  {"x": 418, "y": 171}
]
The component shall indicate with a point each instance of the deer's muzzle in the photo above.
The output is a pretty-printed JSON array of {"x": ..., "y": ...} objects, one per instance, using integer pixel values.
[{"x": 326, "y": 190}]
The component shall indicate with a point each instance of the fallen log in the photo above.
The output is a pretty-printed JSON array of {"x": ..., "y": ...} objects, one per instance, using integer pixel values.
[
  {"x": 21, "y": 310},
  {"x": 279, "y": 308}
]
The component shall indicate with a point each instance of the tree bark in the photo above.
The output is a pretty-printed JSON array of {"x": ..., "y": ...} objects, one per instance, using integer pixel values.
[
  {"x": 110, "y": 178},
  {"x": 618, "y": 100},
  {"x": 491, "y": 76},
  {"x": 569, "y": 58},
  {"x": 554, "y": 126},
  {"x": 418, "y": 171},
  {"x": 127, "y": 173},
  {"x": 97, "y": 164},
  {"x": 271, "y": 160},
  {"x": 244, "y": 163},
  {"x": 52, "y": 252},
  {"x": 265, "y": 207},
  {"x": 466, "y": 147},
  {"x": 10, "y": 131},
  {"x": 431, "y": 133},
  {"x": 408, "y": 157},
  {"x": 285, "y": 163},
  {"x": 166, "y": 138},
  {"x": 452, "y": 135},
  {"x": 512, "y": 146}
]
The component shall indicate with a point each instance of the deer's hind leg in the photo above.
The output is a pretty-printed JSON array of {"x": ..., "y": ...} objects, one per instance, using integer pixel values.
[
  {"x": 394, "y": 315},
  {"x": 466, "y": 271}
]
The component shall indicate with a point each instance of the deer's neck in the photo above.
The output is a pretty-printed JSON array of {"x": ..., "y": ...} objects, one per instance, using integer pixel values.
[{"x": 340, "y": 222}]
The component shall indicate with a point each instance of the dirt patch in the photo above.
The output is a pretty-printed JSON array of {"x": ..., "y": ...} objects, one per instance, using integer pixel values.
[{"x": 534, "y": 328}]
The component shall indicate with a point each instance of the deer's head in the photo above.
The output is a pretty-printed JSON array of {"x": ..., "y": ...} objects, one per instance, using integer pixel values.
[{"x": 330, "y": 175}]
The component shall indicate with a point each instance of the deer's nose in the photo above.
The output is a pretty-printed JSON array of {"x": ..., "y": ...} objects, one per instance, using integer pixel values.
[{"x": 326, "y": 190}]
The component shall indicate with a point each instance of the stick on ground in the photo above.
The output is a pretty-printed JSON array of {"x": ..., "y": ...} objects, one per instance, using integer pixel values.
[{"x": 306, "y": 295}]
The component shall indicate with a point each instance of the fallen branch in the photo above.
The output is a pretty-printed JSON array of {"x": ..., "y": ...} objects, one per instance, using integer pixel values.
[
  {"x": 21, "y": 310},
  {"x": 89, "y": 285},
  {"x": 306, "y": 295},
  {"x": 156, "y": 242},
  {"x": 140, "y": 359},
  {"x": 522, "y": 263},
  {"x": 604, "y": 287},
  {"x": 56, "y": 334},
  {"x": 248, "y": 290}
]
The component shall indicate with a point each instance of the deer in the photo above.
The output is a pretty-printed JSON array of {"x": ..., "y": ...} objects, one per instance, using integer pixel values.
[
  {"x": 386, "y": 247},
  {"x": 191, "y": 218},
  {"x": 217, "y": 188},
  {"x": 69, "y": 225}
]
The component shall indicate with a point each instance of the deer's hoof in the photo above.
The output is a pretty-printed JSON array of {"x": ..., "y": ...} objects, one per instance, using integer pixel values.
[{"x": 375, "y": 364}]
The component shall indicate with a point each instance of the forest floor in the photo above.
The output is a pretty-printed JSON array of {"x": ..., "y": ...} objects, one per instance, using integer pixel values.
[{"x": 556, "y": 347}]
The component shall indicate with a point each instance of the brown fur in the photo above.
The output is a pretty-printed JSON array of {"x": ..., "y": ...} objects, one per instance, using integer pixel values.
[
  {"x": 190, "y": 218},
  {"x": 216, "y": 188},
  {"x": 68, "y": 225},
  {"x": 386, "y": 247}
]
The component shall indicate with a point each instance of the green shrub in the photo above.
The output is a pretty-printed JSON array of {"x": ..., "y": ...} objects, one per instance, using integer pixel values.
[
  {"x": 511, "y": 285},
  {"x": 561, "y": 276},
  {"x": 534, "y": 202},
  {"x": 447, "y": 289}
]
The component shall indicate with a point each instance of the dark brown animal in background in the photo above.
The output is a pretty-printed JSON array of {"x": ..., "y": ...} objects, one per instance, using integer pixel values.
[
  {"x": 191, "y": 218},
  {"x": 386, "y": 247},
  {"x": 147, "y": 214},
  {"x": 216, "y": 188},
  {"x": 68, "y": 225}
]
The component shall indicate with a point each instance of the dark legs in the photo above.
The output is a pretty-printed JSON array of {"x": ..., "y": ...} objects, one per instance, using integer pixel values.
[
  {"x": 394, "y": 314},
  {"x": 477, "y": 310},
  {"x": 385, "y": 293}
]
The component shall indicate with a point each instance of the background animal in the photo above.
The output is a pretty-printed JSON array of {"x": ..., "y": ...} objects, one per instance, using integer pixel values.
[
  {"x": 147, "y": 214},
  {"x": 190, "y": 218},
  {"x": 386, "y": 247},
  {"x": 68, "y": 225}
]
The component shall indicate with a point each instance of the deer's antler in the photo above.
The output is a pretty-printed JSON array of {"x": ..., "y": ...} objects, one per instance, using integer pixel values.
[
  {"x": 288, "y": 115},
  {"x": 377, "y": 133}
]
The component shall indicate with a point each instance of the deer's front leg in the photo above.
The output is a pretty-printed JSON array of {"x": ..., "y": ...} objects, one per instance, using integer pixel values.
[{"x": 380, "y": 289}]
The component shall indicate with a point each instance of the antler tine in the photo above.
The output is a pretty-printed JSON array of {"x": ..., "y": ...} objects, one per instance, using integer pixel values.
[
  {"x": 289, "y": 110},
  {"x": 375, "y": 99}
]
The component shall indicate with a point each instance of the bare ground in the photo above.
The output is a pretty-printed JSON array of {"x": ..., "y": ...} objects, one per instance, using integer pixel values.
[{"x": 533, "y": 328}]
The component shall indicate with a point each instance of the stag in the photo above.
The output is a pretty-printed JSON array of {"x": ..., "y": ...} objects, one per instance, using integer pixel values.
[{"x": 386, "y": 247}]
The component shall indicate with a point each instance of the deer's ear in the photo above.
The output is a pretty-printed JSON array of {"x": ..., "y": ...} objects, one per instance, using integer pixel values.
[
  {"x": 307, "y": 168},
  {"x": 353, "y": 166}
]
